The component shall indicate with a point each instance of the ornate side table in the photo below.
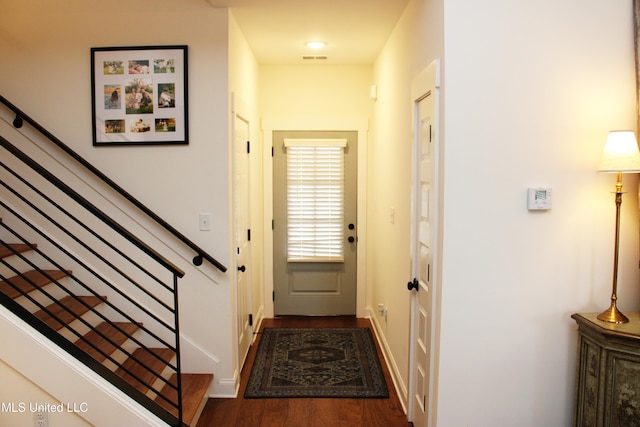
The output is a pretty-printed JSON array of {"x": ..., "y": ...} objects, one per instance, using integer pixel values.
[{"x": 608, "y": 372}]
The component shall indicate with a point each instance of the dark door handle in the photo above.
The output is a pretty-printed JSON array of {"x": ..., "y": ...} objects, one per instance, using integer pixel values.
[
  {"x": 242, "y": 268},
  {"x": 351, "y": 239},
  {"x": 413, "y": 285},
  {"x": 351, "y": 226}
]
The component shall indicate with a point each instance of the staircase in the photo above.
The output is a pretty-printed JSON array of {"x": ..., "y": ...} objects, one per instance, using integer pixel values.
[
  {"x": 98, "y": 284},
  {"x": 80, "y": 324}
]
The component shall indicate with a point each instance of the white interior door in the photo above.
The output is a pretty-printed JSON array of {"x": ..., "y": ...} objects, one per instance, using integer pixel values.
[
  {"x": 242, "y": 236},
  {"x": 425, "y": 201}
]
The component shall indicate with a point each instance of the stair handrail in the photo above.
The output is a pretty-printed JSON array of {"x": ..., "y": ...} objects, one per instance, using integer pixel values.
[
  {"x": 200, "y": 253},
  {"x": 91, "y": 208},
  {"x": 158, "y": 406}
]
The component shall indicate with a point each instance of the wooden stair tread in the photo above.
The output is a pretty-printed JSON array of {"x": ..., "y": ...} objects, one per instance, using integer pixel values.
[
  {"x": 194, "y": 389},
  {"x": 18, "y": 247},
  {"x": 147, "y": 369},
  {"x": 24, "y": 282},
  {"x": 67, "y": 310},
  {"x": 101, "y": 343}
]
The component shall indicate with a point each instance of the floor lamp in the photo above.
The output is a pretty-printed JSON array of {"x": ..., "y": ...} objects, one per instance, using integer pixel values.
[{"x": 621, "y": 155}]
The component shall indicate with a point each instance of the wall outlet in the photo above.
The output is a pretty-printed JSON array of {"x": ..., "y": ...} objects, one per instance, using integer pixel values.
[
  {"x": 382, "y": 311},
  {"x": 41, "y": 419}
]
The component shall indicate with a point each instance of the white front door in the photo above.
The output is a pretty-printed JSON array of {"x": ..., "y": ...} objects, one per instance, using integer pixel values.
[
  {"x": 423, "y": 285},
  {"x": 315, "y": 222},
  {"x": 242, "y": 236}
]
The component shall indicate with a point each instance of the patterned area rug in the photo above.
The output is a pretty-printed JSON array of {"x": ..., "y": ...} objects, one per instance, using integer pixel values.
[{"x": 316, "y": 362}]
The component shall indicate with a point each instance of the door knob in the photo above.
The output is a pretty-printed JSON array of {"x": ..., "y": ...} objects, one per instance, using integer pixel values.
[
  {"x": 351, "y": 239},
  {"x": 351, "y": 226},
  {"x": 413, "y": 285},
  {"x": 242, "y": 268}
]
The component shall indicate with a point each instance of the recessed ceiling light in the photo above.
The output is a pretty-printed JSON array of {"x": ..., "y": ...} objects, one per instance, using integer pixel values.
[{"x": 316, "y": 45}]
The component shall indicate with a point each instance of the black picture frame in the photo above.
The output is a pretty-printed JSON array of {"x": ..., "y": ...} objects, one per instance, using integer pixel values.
[{"x": 139, "y": 95}]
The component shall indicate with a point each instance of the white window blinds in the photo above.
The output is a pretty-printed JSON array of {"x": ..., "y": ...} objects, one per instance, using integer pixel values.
[{"x": 315, "y": 200}]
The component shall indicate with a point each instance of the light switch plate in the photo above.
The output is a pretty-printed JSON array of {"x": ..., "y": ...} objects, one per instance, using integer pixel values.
[{"x": 205, "y": 221}]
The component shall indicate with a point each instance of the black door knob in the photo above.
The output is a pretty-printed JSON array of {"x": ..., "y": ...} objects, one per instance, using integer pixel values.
[
  {"x": 242, "y": 268},
  {"x": 351, "y": 226},
  {"x": 351, "y": 239},
  {"x": 413, "y": 285}
]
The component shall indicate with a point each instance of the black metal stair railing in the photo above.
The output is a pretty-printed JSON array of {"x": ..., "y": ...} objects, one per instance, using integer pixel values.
[
  {"x": 68, "y": 345},
  {"x": 201, "y": 254},
  {"x": 101, "y": 268},
  {"x": 87, "y": 282}
]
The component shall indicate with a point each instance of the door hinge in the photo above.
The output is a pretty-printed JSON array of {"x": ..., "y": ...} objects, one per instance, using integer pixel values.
[
  {"x": 251, "y": 320},
  {"x": 271, "y": 151},
  {"x": 248, "y": 147},
  {"x": 428, "y": 273},
  {"x": 429, "y": 133},
  {"x": 273, "y": 224},
  {"x": 273, "y": 296},
  {"x": 249, "y": 234}
]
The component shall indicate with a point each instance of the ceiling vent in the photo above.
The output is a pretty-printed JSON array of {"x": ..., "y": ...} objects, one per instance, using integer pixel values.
[{"x": 310, "y": 58}]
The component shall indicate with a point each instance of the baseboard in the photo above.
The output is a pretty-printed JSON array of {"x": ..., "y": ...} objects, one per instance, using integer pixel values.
[
  {"x": 257, "y": 323},
  {"x": 399, "y": 385},
  {"x": 226, "y": 388},
  {"x": 229, "y": 387}
]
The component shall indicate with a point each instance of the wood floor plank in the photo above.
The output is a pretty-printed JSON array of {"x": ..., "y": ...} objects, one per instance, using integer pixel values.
[{"x": 308, "y": 412}]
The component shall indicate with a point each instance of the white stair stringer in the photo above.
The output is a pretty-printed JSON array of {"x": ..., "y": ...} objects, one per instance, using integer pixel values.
[{"x": 66, "y": 379}]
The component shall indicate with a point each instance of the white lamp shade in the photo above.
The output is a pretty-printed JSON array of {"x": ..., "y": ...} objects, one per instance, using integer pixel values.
[{"x": 621, "y": 153}]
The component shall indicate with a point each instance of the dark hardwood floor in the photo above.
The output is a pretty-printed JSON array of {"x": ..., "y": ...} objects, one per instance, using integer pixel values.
[{"x": 300, "y": 412}]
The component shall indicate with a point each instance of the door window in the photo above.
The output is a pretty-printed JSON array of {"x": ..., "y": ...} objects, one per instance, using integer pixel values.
[{"x": 315, "y": 200}]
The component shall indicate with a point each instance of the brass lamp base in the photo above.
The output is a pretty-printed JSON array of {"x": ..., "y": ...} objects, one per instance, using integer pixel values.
[{"x": 613, "y": 315}]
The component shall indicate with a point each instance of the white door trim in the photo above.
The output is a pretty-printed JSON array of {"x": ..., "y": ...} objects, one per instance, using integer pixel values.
[
  {"x": 239, "y": 110},
  {"x": 361, "y": 125},
  {"x": 427, "y": 82}
]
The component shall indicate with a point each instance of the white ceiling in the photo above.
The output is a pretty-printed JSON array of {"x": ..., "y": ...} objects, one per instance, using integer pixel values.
[{"x": 277, "y": 30}]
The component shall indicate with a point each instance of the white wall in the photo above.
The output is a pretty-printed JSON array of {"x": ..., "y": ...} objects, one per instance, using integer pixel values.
[
  {"x": 243, "y": 84},
  {"x": 531, "y": 90},
  {"x": 45, "y": 46},
  {"x": 24, "y": 397},
  {"x": 45, "y": 50},
  {"x": 416, "y": 41},
  {"x": 315, "y": 90}
]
